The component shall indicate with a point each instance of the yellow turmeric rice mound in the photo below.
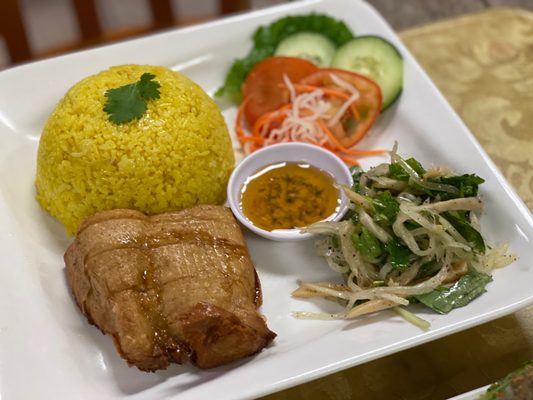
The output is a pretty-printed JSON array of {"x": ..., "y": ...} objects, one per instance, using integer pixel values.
[{"x": 176, "y": 155}]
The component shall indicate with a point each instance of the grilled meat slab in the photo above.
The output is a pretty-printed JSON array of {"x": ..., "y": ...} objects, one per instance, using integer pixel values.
[{"x": 173, "y": 287}]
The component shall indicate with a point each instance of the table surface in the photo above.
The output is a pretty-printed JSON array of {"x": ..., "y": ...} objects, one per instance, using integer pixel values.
[
  {"x": 483, "y": 64},
  {"x": 406, "y": 14},
  {"x": 480, "y": 58}
]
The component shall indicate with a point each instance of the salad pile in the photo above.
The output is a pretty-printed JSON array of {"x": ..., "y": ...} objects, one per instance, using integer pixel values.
[
  {"x": 309, "y": 79},
  {"x": 517, "y": 384},
  {"x": 411, "y": 236}
]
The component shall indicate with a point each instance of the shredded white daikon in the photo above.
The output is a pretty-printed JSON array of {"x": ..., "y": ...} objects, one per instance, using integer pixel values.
[
  {"x": 300, "y": 121},
  {"x": 354, "y": 96}
]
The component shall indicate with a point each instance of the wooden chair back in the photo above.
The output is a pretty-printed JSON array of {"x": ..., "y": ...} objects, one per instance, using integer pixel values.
[{"x": 14, "y": 32}]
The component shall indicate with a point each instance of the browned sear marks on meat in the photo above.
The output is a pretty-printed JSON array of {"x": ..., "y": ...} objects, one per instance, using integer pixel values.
[{"x": 173, "y": 287}]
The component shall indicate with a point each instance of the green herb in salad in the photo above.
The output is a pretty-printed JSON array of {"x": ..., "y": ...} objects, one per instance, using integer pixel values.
[
  {"x": 413, "y": 231},
  {"x": 396, "y": 171},
  {"x": 460, "y": 221},
  {"x": 267, "y": 38},
  {"x": 516, "y": 385},
  {"x": 367, "y": 244},
  {"x": 385, "y": 208},
  {"x": 462, "y": 292},
  {"x": 399, "y": 254},
  {"x": 129, "y": 102}
]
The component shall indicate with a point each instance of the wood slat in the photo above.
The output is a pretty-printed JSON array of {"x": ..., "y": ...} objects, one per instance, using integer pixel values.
[
  {"x": 13, "y": 31},
  {"x": 162, "y": 13},
  {"x": 233, "y": 6},
  {"x": 88, "y": 20}
]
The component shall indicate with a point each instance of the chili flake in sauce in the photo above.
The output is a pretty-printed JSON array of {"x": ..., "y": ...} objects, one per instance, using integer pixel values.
[{"x": 288, "y": 195}]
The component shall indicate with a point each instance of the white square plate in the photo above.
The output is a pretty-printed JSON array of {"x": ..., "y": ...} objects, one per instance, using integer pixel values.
[
  {"x": 47, "y": 348},
  {"x": 472, "y": 394}
]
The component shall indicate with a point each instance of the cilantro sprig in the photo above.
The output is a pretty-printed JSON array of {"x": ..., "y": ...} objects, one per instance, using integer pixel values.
[{"x": 129, "y": 102}]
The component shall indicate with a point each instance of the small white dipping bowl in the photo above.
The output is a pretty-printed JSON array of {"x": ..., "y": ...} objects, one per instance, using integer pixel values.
[{"x": 293, "y": 152}]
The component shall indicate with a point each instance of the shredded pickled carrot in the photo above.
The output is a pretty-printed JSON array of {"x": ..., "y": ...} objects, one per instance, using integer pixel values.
[
  {"x": 327, "y": 91},
  {"x": 241, "y": 133},
  {"x": 330, "y": 92},
  {"x": 304, "y": 117},
  {"x": 267, "y": 118},
  {"x": 343, "y": 149}
]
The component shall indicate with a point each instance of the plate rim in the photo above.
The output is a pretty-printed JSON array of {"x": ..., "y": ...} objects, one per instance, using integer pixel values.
[{"x": 346, "y": 363}]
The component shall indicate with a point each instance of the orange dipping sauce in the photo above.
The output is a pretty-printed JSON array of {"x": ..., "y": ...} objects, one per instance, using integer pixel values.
[{"x": 288, "y": 195}]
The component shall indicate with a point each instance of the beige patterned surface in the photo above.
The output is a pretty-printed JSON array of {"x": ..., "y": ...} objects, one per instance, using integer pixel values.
[{"x": 483, "y": 64}]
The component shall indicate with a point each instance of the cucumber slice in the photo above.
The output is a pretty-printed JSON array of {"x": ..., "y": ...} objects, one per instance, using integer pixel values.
[
  {"x": 311, "y": 46},
  {"x": 377, "y": 59}
]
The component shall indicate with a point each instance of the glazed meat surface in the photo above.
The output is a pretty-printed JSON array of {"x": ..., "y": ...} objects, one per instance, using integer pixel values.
[{"x": 173, "y": 287}]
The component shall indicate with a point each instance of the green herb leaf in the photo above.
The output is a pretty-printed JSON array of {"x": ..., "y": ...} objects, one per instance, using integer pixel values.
[
  {"x": 466, "y": 289},
  {"x": 397, "y": 172},
  {"x": 398, "y": 254},
  {"x": 428, "y": 269},
  {"x": 356, "y": 172},
  {"x": 367, "y": 244},
  {"x": 267, "y": 38},
  {"x": 129, "y": 102},
  {"x": 512, "y": 384},
  {"x": 386, "y": 208},
  {"x": 351, "y": 215},
  {"x": 467, "y": 184},
  {"x": 460, "y": 222}
]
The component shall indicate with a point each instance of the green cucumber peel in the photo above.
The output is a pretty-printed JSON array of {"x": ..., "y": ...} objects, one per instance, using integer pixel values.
[{"x": 266, "y": 39}]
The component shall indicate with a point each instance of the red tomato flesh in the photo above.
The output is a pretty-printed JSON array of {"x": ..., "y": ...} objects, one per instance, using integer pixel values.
[
  {"x": 368, "y": 106},
  {"x": 264, "y": 87}
]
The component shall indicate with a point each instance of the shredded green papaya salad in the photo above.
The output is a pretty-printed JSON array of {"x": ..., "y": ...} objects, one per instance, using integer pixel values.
[{"x": 411, "y": 236}]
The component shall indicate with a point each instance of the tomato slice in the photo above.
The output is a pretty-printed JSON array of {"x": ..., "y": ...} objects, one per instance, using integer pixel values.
[
  {"x": 264, "y": 89},
  {"x": 350, "y": 130}
]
